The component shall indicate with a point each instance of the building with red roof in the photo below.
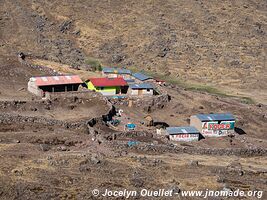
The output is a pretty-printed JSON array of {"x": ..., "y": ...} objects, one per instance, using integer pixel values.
[
  {"x": 40, "y": 85},
  {"x": 107, "y": 86},
  {"x": 159, "y": 81}
]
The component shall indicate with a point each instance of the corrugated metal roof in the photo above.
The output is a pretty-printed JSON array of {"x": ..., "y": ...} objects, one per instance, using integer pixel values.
[
  {"x": 141, "y": 77},
  {"x": 107, "y": 69},
  {"x": 141, "y": 86},
  {"x": 56, "y": 80},
  {"x": 129, "y": 80},
  {"x": 181, "y": 130},
  {"x": 216, "y": 117},
  {"x": 116, "y": 70},
  {"x": 102, "y": 82}
]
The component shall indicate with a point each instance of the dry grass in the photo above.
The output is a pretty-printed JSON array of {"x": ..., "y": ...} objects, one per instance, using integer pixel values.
[
  {"x": 65, "y": 69},
  {"x": 206, "y": 43}
]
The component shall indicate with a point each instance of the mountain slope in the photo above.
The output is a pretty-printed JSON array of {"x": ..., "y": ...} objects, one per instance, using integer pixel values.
[{"x": 222, "y": 44}]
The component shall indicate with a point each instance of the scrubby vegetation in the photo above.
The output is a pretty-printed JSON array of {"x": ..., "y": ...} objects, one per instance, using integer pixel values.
[{"x": 94, "y": 64}]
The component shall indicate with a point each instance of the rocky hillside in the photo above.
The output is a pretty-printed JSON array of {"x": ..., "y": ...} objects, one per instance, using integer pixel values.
[{"x": 218, "y": 43}]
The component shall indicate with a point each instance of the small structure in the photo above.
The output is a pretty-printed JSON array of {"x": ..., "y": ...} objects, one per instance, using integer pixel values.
[
  {"x": 141, "y": 89},
  {"x": 139, "y": 77},
  {"x": 149, "y": 120},
  {"x": 116, "y": 72},
  {"x": 40, "y": 85},
  {"x": 184, "y": 134},
  {"x": 159, "y": 81},
  {"x": 214, "y": 125},
  {"x": 107, "y": 86}
]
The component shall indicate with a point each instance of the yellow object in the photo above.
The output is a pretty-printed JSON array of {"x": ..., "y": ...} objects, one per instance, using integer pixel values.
[{"x": 111, "y": 90}]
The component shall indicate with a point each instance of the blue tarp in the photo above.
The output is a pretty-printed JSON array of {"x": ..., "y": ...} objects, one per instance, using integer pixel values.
[
  {"x": 117, "y": 97},
  {"x": 132, "y": 143},
  {"x": 130, "y": 126}
]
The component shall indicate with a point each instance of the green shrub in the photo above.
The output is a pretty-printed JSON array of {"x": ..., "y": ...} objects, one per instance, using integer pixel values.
[
  {"x": 94, "y": 64},
  {"x": 247, "y": 100}
]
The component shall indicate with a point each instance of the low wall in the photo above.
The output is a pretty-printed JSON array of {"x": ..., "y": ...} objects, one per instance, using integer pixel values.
[
  {"x": 45, "y": 69},
  {"x": 80, "y": 94},
  {"x": 103, "y": 118},
  {"x": 245, "y": 152},
  {"x": 151, "y": 103},
  {"x": 8, "y": 104},
  {"x": 85, "y": 94},
  {"x": 148, "y": 103},
  {"x": 165, "y": 148},
  {"x": 6, "y": 118}
]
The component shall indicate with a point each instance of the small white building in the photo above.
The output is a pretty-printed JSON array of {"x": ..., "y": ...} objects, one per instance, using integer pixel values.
[
  {"x": 214, "y": 125},
  {"x": 183, "y": 134},
  {"x": 141, "y": 89}
]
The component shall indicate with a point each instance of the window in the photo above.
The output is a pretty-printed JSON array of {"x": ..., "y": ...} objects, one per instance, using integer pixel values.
[{"x": 148, "y": 90}]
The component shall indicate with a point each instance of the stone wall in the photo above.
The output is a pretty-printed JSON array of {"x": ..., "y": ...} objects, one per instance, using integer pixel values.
[
  {"x": 149, "y": 104},
  {"x": 146, "y": 103},
  {"x": 80, "y": 94},
  {"x": 6, "y": 118},
  {"x": 245, "y": 152},
  {"x": 107, "y": 116}
]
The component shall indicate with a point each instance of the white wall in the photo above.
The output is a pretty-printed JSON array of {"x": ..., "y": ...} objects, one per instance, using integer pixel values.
[
  {"x": 144, "y": 92},
  {"x": 107, "y": 93},
  {"x": 150, "y": 92},
  {"x": 206, "y": 132},
  {"x": 111, "y": 75},
  {"x": 133, "y": 92},
  {"x": 184, "y": 137},
  {"x": 217, "y": 133},
  {"x": 34, "y": 89}
]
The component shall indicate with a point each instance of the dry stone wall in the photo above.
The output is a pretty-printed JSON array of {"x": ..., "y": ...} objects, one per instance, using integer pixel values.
[{"x": 245, "y": 152}]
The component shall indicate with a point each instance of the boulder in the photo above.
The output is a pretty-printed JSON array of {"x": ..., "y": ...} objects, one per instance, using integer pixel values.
[{"x": 44, "y": 147}]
